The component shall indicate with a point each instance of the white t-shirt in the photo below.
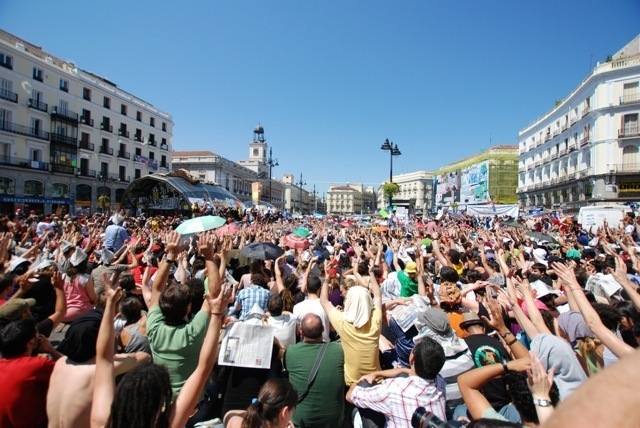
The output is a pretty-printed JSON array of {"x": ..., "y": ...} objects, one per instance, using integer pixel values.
[
  {"x": 284, "y": 329},
  {"x": 313, "y": 306}
]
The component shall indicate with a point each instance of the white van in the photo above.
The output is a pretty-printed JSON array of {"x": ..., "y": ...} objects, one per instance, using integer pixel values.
[{"x": 592, "y": 217}]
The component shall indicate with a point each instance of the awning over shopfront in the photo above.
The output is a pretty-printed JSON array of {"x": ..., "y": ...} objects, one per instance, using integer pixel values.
[{"x": 176, "y": 191}]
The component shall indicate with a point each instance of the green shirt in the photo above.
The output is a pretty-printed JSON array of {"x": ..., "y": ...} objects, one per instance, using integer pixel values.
[
  {"x": 408, "y": 287},
  {"x": 176, "y": 347},
  {"x": 324, "y": 405}
]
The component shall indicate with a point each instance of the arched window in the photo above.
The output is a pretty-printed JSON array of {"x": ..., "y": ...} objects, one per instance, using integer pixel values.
[
  {"x": 7, "y": 186},
  {"x": 83, "y": 193},
  {"x": 33, "y": 188},
  {"x": 60, "y": 190}
]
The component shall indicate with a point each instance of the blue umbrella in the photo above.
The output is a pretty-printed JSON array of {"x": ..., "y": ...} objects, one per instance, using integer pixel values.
[{"x": 200, "y": 224}]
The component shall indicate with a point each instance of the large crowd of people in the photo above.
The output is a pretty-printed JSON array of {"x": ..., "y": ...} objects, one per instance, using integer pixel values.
[{"x": 120, "y": 321}]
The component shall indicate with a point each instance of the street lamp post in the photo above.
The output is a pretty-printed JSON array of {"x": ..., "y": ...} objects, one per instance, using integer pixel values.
[
  {"x": 271, "y": 162},
  {"x": 393, "y": 151},
  {"x": 300, "y": 184}
]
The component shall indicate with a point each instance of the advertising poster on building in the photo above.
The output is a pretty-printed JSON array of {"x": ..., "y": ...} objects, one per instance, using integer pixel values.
[
  {"x": 448, "y": 188},
  {"x": 474, "y": 184}
]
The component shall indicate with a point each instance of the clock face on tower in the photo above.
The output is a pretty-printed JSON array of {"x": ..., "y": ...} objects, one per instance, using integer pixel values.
[{"x": 256, "y": 152}]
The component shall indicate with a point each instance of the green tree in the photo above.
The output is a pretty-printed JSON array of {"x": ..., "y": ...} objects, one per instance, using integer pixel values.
[{"x": 390, "y": 189}]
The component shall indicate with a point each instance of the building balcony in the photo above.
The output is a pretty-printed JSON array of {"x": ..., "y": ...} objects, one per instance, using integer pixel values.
[
  {"x": 586, "y": 140},
  {"x": 106, "y": 150},
  {"x": 82, "y": 172},
  {"x": 584, "y": 172},
  {"x": 585, "y": 111},
  {"x": 554, "y": 156},
  {"x": 6, "y": 94},
  {"x": 565, "y": 127},
  {"x": 138, "y": 138},
  {"x": 124, "y": 178},
  {"x": 164, "y": 146},
  {"x": 86, "y": 121},
  {"x": 63, "y": 139},
  {"x": 85, "y": 145},
  {"x": 164, "y": 165},
  {"x": 123, "y": 133},
  {"x": 556, "y": 133},
  {"x": 574, "y": 121},
  {"x": 124, "y": 155},
  {"x": 23, "y": 130},
  {"x": 630, "y": 99},
  {"x": 64, "y": 114},
  {"x": 547, "y": 137},
  {"x": 624, "y": 168},
  {"x": 23, "y": 163},
  {"x": 38, "y": 105},
  {"x": 629, "y": 132},
  {"x": 562, "y": 152},
  {"x": 63, "y": 169},
  {"x": 106, "y": 127},
  {"x": 153, "y": 143},
  {"x": 537, "y": 163}
]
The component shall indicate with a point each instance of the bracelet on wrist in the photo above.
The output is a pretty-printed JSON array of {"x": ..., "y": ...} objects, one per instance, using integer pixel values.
[
  {"x": 512, "y": 341},
  {"x": 505, "y": 368},
  {"x": 217, "y": 313},
  {"x": 504, "y": 336}
]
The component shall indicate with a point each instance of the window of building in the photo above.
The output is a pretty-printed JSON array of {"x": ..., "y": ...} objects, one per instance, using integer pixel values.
[
  {"x": 164, "y": 126},
  {"x": 35, "y": 155},
  {"x": 7, "y": 186},
  {"x": 106, "y": 103},
  {"x": 123, "y": 109},
  {"x": 152, "y": 121},
  {"x": 33, "y": 188},
  {"x": 630, "y": 124},
  {"x": 630, "y": 93},
  {"x": 163, "y": 161},
  {"x": 137, "y": 173},
  {"x": 104, "y": 169},
  {"x": 122, "y": 173},
  {"x": 139, "y": 116},
  {"x": 138, "y": 151},
  {"x": 86, "y": 94},
  {"x": 36, "y": 126},
  {"x": 6, "y": 61},
  {"x": 84, "y": 137},
  {"x": 6, "y": 90},
  {"x": 64, "y": 85},
  {"x": 60, "y": 190},
  {"x": 152, "y": 155},
  {"x": 37, "y": 74}
]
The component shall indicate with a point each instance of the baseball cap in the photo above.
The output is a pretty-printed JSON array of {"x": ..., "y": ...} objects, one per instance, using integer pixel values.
[
  {"x": 411, "y": 267},
  {"x": 14, "y": 308}
]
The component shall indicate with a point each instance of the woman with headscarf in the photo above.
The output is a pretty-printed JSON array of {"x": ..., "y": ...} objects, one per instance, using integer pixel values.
[
  {"x": 588, "y": 348},
  {"x": 359, "y": 327},
  {"x": 557, "y": 354}
]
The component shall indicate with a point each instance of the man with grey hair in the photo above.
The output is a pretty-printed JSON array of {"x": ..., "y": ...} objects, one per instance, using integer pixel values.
[{"x": 323, "y": 405}]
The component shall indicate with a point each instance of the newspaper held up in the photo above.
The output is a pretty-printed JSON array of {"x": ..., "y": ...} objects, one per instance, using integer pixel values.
[{"x": 247, "y": 345}]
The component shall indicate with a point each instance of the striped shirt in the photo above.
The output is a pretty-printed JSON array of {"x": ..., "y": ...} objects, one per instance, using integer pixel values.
[{"x": 399, "y": 397}]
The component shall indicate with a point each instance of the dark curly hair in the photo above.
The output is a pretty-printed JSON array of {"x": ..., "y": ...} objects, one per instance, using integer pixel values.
[{"x": 142, "y": 399}]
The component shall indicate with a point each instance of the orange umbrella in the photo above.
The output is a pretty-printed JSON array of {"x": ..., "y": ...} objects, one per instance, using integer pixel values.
[{"x": 381, "y": 228}]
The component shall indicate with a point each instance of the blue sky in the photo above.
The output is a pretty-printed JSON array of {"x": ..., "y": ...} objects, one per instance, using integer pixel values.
[{"x": 330, "y": 80}]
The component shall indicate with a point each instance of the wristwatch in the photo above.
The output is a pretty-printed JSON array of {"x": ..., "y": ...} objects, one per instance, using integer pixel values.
[{"x": 541, "y": 402}]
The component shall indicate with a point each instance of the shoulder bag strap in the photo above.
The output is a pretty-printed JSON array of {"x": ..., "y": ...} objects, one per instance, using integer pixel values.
[{"x": 314, "y": 371}]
